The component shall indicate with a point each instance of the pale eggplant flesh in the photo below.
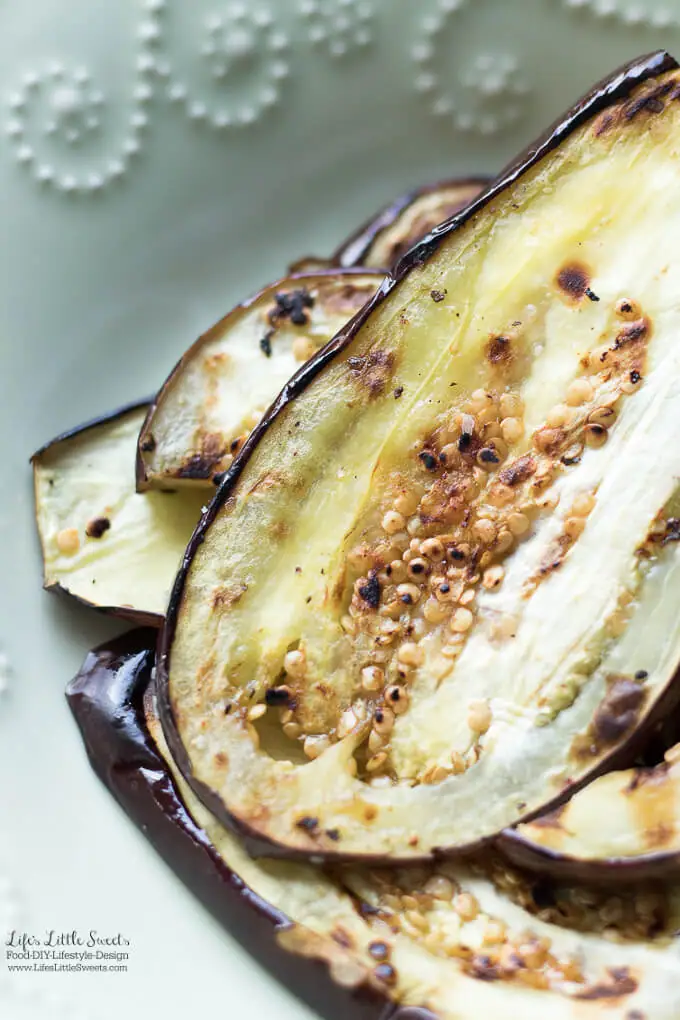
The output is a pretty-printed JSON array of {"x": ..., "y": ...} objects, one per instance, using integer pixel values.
[
  {"x": 621, "y": 827},
  {"x": 386, "y": 237},
  {"x": 225, "y": 382},
  {"x": 103, "y": 543},
  {"x": 454, "y": 941},
  {"x": 444, "y": 571}
]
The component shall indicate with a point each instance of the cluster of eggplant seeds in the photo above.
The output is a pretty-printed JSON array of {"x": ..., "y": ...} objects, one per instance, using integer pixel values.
[
  {"x": 480, "y": 485},
  {"x": 486, "y": 946}
]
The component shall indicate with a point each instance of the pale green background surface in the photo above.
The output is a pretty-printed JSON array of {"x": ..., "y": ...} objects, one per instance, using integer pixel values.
[{"x": 111, "y": 263}]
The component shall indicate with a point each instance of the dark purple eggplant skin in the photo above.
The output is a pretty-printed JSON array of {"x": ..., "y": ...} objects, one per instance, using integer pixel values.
[
  {"x": 106, "y": 699},
  {"x": 135, "y": 616},
  {"x": 610, "y": 90},
  {"x": 353, "y": 251},
  {"x": 612, "y": 870}
]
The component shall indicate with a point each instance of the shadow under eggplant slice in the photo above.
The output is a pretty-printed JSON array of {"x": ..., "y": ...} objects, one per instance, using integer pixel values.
[
  {"x": 103, "y": 543},
  {"x": 406, "y": 944},
  {"x": 451, "y": 546}
]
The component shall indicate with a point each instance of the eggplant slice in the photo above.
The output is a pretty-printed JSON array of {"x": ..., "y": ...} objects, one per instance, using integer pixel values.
[
  {"x": 449, "y": 940},
  {"x": 444, "y": 573},
  {"x": 388, "y": 236},
  {"x": 103, "y": 543},
  {"x": 222, "y": 386},
  {"x": 623, "y": 826}
]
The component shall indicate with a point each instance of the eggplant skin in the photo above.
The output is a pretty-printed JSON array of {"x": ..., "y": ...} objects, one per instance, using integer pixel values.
[
  {"x": 111, "y": 701},
  {"x": 386, "y": 237},
  {"x": 623, "y": 827},
  {"x": 611, "y": 91},
  {"x": 107, "y": 701}
]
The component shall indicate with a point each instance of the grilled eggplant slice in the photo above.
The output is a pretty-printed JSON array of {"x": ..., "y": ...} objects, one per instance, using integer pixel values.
[
  {"x": 102, "y": 542},
  {"x": 444, "y": 572},
  {"x": 388, "y": 236},
  {"x": 451, "y": 938},
  {"x": 221, "y": 387},
  {"x": 621, "y": 827}
]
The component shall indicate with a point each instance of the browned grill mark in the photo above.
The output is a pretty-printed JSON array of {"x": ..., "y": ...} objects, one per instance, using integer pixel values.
[
  {"x": 97, "y": 526},
  {"x": 649, "y": 101},
  {"x": 221, "y": 760},
  {"x": 499, "y": 351},
  {"x": 223, "y": 598},
  {"x": 373, "y": 371},
  {"x": 574, "y": 280},
  {"x": 619, "y": 709},
  {"x": 203, "y": 463},
  {"x": 622, "y": 983},
  {"x": 519, "y": 471}
]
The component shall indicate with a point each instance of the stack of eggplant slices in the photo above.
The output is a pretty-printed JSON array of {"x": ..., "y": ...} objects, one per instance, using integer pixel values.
[{"x": 403, "y": 712}]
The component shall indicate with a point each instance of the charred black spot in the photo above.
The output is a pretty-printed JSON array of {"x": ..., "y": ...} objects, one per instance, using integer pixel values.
[
  {"x": 519, "y": 471},
  {"x": 307, "y": 823},
  {"x": 641, "y": 674},
  {"x": 489, "y": 456},
  {"x": 292, "y": 305},
  {"x": 379, "y": 950},
  {"x": 572, "y": 456},
  {"x": 278, "y": 696},
  {"x": 630, "y": 332},
  {"x": 370, "y": 591},
  {"x": 97, "y": 526},
  {"x": 429, "y": 461},
  {"x": 464, "y": 442},
  {"x": 398, "y": 392},
  {"x": 333, "y": 834},
  {"x": 499, "y": 350},
  {"x": 198, "y": 466},
  {"x": 266, "y": 343},
  {"x": 456, "y": 554},
  {"x": 649, "y": 101},
  {"x": 591, "y": 295},
  {"x": 574, "y": 280},
  {"x": 635, "y": 377},
  {"x": 437, "y": 295},
  {"x": 148, "y": 443}
]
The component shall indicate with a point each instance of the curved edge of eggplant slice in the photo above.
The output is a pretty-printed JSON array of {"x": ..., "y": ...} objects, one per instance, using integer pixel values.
[
  {"x": 357, "y": 946},
  {"x": 88, "y": 514},
  {"x": 194, "y": 428},
  {"x": 623, "y": 827},
  {"x": 107, "y": 701},
  {"x": 387, "y": 236},
  {"x": 611, "y": 90}
]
